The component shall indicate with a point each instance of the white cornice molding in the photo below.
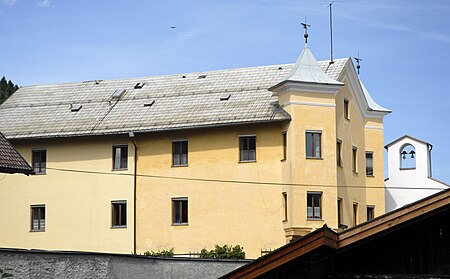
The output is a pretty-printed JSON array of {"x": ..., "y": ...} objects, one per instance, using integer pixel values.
[
  {"x": 309, "y": 104},
  {"x": 296, "y": 86},
  {"x": 373, "y": 128}
]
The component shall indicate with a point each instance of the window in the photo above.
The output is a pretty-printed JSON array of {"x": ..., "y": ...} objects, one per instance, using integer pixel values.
[
  {"x": 285, "y": 204},
  {"x": 314, "y": 211},
  {"x": 180, "y": 211},
  {"x": 407, "y": 157},
  {"x": 338, "y": 153},
  {"x": 313, "y": 144},
  {"x": 355, "y": 213},
  {"x": 119, "y": 214},
  {"x": 284, "y": 145},
  {"x": 180, "y": 153},
  {"x": 370, "y": 212},
  {"x": 346, "y": 110},
  {"x": 120, "y": 157},
  {"x": 354, "y": 159},
  {"x": 247, "y": 148},
  {"x": 369, "y": 163},
  {"x": 39, "y": 157},
  {"x": 38, "y": 218},
  {"x": 339, "y": 208}
]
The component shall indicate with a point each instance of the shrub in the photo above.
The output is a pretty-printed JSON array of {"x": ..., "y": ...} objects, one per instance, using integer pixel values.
[
  {"x": 160, "y": 253},
  {"x": 223, "y": 252},
  {"x": 5, "y": 273}
]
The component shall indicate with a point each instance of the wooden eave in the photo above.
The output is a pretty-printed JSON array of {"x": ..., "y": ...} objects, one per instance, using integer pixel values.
[{"x": 329, "y": 238}]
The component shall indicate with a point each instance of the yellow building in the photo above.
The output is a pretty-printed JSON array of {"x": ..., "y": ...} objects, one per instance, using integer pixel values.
[{"x": 252, "y": 156}]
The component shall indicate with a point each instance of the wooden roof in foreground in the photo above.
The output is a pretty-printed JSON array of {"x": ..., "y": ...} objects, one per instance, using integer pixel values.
[{"x": 325, "y": 237}]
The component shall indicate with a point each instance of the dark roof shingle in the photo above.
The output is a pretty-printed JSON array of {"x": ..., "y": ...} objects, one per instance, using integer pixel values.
[{"x": 10, "y": 160}]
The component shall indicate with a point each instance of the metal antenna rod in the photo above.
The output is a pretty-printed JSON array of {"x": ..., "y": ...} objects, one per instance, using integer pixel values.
[{"x": 331, "y": 32}]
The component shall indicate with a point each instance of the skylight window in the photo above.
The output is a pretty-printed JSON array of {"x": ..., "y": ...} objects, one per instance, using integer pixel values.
[
  {"x": 149, "y": 103},
  {"x": 139, "y": 85},
  {"x": 75, "y": 107},
  {"x": 202, "y": 76},
  {"x": 118, "y": 93},
  {"x": 225, "y": 97}
]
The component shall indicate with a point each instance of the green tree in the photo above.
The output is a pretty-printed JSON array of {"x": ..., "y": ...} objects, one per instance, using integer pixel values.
[
  {"x": 5, "y": 273},
  {"x": 223, "y": 252},
  {"x": 7, "y": 88}
]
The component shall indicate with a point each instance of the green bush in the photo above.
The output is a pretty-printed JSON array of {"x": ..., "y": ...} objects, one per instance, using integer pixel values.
[
  {"x": 5, "y": 273},
  {"x": 160, "y": 253},
  {"x": 223, "y": 252}
]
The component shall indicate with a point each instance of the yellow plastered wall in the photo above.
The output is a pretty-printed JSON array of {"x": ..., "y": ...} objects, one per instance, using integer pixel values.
[
  {"x": 310, "y": 112},
  {"x": 221, "y": 212},
  {"x": 375, "y": 142},
  {"x": 78, "y": 205}
]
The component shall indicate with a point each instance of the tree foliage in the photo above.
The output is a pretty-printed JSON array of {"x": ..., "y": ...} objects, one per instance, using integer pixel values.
[
  {"x": 5, "y": 273},
  {"x": 223, "y": 252},
  {"x": 7, "y": 88},
  {"x": 160, "y": 253}
]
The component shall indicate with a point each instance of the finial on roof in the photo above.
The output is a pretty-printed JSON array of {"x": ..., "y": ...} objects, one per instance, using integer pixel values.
[
  {"x": 305, "y": 26},
  {"x": 357, "y": 59}
]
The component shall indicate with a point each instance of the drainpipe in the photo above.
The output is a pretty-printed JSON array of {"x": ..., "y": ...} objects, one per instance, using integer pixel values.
[{"x": 131, "y": 135}]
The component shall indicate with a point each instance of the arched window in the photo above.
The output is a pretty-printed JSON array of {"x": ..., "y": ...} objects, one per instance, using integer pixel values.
[{"x": 407, "y": 157}]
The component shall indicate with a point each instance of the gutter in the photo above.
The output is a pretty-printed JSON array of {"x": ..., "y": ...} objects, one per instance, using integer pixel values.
[{"x": 131, "y": 135}]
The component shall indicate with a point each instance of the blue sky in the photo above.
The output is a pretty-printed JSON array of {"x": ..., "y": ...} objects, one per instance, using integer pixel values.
[{"x": 405, "y": 47}]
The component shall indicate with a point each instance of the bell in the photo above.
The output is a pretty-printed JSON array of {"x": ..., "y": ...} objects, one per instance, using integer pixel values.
[
  {"x": 404, "y": 154},
  {"x": 412, "y": 153}
]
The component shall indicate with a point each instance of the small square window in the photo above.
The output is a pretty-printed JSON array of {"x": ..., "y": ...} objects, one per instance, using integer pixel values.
[
  {"x": 39, "y": 157},
  {"x": 180, "y": 153},
  {"x": 369, "y": 163},
  {"x": 119, "y": 214},
  {"x": 314, "y": 208},
  {"x": 120, "y": 157},
  {"x": 313, "y": 144},
  {"x": 247, "y": 148},
  {"x": 180, "y": 211},
  {"x": 346, "y": 109},
  {"x": 38, "y": 218},
  {"x": 370, "y": 212},
  {"x": 355, "y": 159}
]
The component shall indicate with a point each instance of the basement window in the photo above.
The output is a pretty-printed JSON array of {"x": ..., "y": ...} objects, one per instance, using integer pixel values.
[
  {"x": 38, "y": 218},
  {"x": 180, "y": 211},
  {"x": 119, "y": 214}
]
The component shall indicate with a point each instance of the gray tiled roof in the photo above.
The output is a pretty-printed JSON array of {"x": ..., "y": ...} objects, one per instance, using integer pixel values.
[
  {"x": 10, "y": 160},
  {"x": 180, "y": 101}
]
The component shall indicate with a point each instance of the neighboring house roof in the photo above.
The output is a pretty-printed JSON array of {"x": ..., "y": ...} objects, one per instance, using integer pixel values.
[
  {"x": 10, "y": 160},
  {"x": 407, "y": 136},
  {"x": 325, "y": 237},
  {"x": 170, "y": 102}
]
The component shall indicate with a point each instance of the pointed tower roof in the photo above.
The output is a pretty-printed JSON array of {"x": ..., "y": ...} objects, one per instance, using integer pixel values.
[
  {"x": 307, "y": 72},
  {"x": 306, "y": 69}
]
